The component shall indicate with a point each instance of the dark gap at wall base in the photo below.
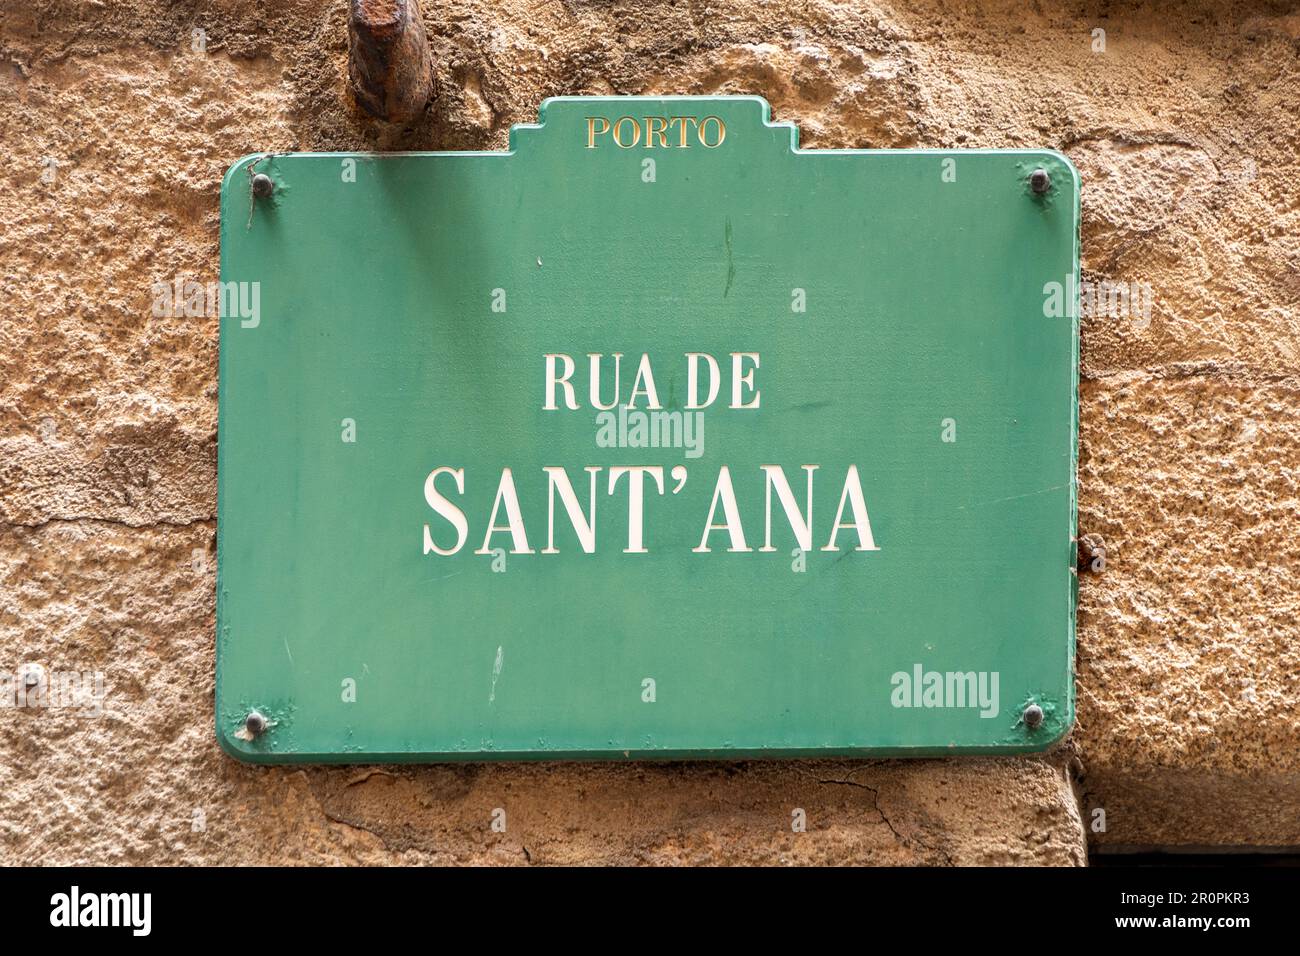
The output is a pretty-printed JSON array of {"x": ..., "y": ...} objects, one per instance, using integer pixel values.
[{"x": 1115, "y": 856}]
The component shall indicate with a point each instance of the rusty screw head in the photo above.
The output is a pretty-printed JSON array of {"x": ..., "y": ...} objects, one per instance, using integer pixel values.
[
  {"x": 1092, "y": 552},
  {"x": 1039, "y": 181},
  {"x": 255, "y": 724},
  {"x": 1033, "y": 716},
  {"x": 263, "y": 185}
]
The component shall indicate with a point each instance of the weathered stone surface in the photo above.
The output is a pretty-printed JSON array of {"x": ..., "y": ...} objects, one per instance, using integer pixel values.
[
  {"x": 145, "y": 782},
  {"x": 1189, "y": 664},
  {"x": 1184, "y": 132}
]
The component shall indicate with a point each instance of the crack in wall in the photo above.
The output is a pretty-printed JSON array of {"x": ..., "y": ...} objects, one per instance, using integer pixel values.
[{"x": 118, "y": 522}]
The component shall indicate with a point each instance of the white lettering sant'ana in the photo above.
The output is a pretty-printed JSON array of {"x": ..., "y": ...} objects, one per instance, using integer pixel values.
[{"x": 850, "y": 530}]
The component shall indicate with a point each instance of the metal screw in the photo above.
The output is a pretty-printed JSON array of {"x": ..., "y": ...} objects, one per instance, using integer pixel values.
[
  {"x": 263, "y": 185},
  {"x": 1092, "y": 552},
  {"x": 1033, "y": 716},
  {"x": 255, "y": 724},
  {"x": 1039, "y": 181}
]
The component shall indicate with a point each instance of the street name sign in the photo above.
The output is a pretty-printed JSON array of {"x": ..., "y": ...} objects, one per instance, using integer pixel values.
[{"x": 653, "y": 435}]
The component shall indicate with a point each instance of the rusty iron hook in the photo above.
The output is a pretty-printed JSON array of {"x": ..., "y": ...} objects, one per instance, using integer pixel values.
[{"x": 390, "y": 68}]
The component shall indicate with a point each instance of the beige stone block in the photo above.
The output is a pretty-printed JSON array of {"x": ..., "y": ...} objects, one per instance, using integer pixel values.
[{"x": 1189, "y": 647}]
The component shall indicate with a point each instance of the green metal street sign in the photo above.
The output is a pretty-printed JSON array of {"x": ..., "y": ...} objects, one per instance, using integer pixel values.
[{"x": 653, "y": 436}]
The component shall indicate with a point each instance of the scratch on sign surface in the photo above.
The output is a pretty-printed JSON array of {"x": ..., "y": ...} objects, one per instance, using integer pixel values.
[
  {"x": 1027, "y": 494},
  {"x": 496, "y": 672}
]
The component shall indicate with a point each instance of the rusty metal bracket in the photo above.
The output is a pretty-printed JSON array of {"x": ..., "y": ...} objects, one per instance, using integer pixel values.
[{"x": 390, "y": 68}]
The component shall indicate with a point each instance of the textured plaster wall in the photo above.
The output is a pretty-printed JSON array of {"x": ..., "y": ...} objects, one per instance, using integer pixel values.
[{"x": 1186, "y": 133}]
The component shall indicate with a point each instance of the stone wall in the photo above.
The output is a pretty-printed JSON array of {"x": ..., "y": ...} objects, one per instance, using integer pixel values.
[{"x": 116, "y": 133}]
